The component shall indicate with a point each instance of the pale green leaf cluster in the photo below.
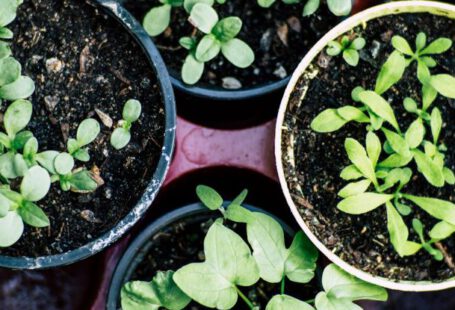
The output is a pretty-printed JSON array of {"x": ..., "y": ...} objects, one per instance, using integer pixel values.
[
  {"x": 122, "y": 134},
  {"x": 382, "y": 167},
  {"x": 231, "y": 263},
  {"x": 349, "y": 49},
  {"x": 337, "y": 7}
]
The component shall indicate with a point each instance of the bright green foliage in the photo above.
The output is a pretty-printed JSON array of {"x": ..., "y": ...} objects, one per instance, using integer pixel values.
[
  {"x": 230, "y": 264},
  {"x": 8, "y": 10},
  {"x": 122, "y": 135},
  {"x": 337, "y": 7},
  {"x": 87, "y": 132},
  {"x": 349, "y": 49},
  {"x": 382, "y": 168}
]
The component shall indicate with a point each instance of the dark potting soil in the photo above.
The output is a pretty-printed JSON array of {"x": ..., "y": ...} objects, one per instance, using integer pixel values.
[
  {"x": 363, "y": 241},
  {"x": 82, "y": 60},
  {"x": 183, "y": 243},
  {"x": 279, "y": 36}
]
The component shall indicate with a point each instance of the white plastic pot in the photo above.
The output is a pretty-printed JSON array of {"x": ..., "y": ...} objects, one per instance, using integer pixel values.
[{"x": 281, "y": 149}]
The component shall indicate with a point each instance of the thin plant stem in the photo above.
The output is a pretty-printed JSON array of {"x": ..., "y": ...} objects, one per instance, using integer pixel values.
[
  {"x": 245, "y": 299},
  {"x": 283, "y": 283}
]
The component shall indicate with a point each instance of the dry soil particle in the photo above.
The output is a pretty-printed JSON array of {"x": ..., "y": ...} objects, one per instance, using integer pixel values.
[
  {"x": 314, "y": 181},
  {"x": 82, "y": 60}
]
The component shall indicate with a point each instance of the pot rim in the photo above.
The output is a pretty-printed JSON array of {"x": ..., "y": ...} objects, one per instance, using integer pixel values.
[
  {"x": 112, "y": 8},
  {"x": 393, "y": 8},
  {"x": 136, "y": 249}
]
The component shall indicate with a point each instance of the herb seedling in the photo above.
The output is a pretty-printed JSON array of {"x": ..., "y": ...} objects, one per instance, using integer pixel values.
[
  {"x": 349, "y": 49},
  {"x": 87, "y": 132},
  {"x": 13, "y": 85},
  {"x": 377, "y": 181},
  {"x": 337, "y": 7},
  {"x": 122, "y": 134},
  {"x": 8, "y": 9},
  {"x": 231, "y": 263}
]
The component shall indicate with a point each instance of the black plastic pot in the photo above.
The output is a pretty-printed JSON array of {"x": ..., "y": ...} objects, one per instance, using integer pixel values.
[
  {"x": 136, "y": 31},
  {"x": 140, "y": 246}
]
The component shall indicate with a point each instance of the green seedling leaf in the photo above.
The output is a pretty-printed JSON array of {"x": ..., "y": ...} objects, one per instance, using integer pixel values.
[
  {"x": 399, "y": 233},
  {"x": 5, "y": 205},
  {"x": 46, "y": 160},
  {"x": 359, "y": 158},
  {"x": 213, "y": 282},
  {"x": 436, "y": 124},
  {"x": 33, "y": 215},
  {"x": 334, "y": 48},
  {"x": 373, "y": 147},
  {"x": 443, "y": 83},
  {"x": 17, "y": 116},
  {"x": 301, "y": 259},
  {"x": 351, "y": 173},
  {"x": 87, "y": 131},
  {"x": 208, "y": 48},
  {"x": 35, "y": 184},
  {"x": 432, "y": 172},
  {"x": 203, "y": 17},
  {"x": 340, "y": 7},
  {"x": 21, "y": 88},
  {"x": 7, "y": 12},
  {"x": 429, "y": 95},
  {"x": 189, "y": 4},
  {"x": 400, "y": 44},
  {"x": 20, "y": 166},
  {"x": 120, "y": 138},
  {"x": 355, "y": 188},
  {"x": 63, "y": 163},
  {"x": 410, "y": 105},
  {"x": 449, "y": 176},
  {"x": 440, "y": 209},
  {"x": 30, "y": 148},
  {"x": 132, "y": 110},
  {"x": 351, "y": 56},
  {"x": 441, "y": 231},
  {"x": 281, "y": 302},
  {"x": 227, "y": 28},
  {"x": 310, "y": 7},
  {"x": 438, "y": 46},
  {"x": 209, "y": 197},
  {"x": 11, "y": 229},
  {"x": 397, "y": 142},
  {"x": 238, "y": 53},
  {"x": 157, "y": 20},
  {"x": 391, "y": 72},
  {"x": 161, "y": 292},
  {"x": 379, "y": 106},
  {"x": 10, "y": 70},
  {"x": 421, "y": 41},
  {"x": 351, "y": 113},
  {"x": 395, "y": 161},
  {"x": 5, "y": 50},
  {"x": 7, "y": 166},
  {"x": 363, "y": 203},
  {"x": 82, "y": 155},
  {"x": 192, "y": 70},
  {"x": 415, "y": 134},
  {"x": 358, "y": 43},
  {"x": 82, "y": 182},
  {"x": 328, "y": 121}
]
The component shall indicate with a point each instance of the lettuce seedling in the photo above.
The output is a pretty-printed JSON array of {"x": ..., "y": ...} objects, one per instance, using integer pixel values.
[
  {"x": 13, "y": 85},
  {"x": 122, "y": 135},
  {"x": 192, "y": 68},
  {"x": 159, "y": 17},
  {"x": 19, "y": 207},
  {"x": 220, "y": 36},
  {"x": 230, "y": 264},
  {"x": 8, "y": 10},
  {"x": 349, "y": 49},
  {"x": 337, "y": 7},
  {"x": 87, "y": 132}
]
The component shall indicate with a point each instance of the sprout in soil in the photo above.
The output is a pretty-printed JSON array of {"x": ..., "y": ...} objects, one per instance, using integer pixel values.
[
  {"x": 8, "y": 9},
  {"x": 13, "y": 85},
  {"x": 87, "y": 132},
  {"x": 337, "y": 7},
  {"x": 122, "y": 134},
  {"x": 349, "y": 49},
  {"x": 231, "y": 262},
  {"x": 380, "y": 171}
]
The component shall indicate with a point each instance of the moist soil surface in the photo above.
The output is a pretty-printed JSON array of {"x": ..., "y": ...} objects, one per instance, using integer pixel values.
[
  {"x": 82, "y": 62},
  {"x": 183, "y": 242},
  {"x": 363, "y": 241},
  {"x": 280, "y": 36}
]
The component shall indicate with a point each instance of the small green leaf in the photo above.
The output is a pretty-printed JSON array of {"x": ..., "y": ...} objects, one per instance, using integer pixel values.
[
  {"x": 443, "y": 83},
  {"x": 82, "y": 155},
  {"x": 35, "y": 184},
  {"x": 400, "y": 44},
  {"x": 351, "y": 56},
  {"x": 429, "y": 95},
  {"x": 428, "y": 168},
  {"x": 355, "y": 188},
  {"x": 415, "y": 134},
  {"x": 358, "y": 43},
  {"x": 238, "y": 53},
  {"x": 7, "y": 166},
  {"x": 311, "y": 6},
  {"x": 449, "y": 176},
  {"x": 227, "y": 28},
  {"x": 63, "y": 163},
  {"x": 373, "y": 147},
  {"x": 363, "y": 203},
  {"x": 120, "y": 138},
  {"x": 87, "y": 131},
  {"x": 440, "y": 209},
  {"x": 442, "y": 230},
  {"x": 5, "y": 205},
  {"x": 281, "y": 302},
  {"x": 410, "y": 105},
  {"x": 391, "y": 72},
  {"x": 5, "y": 50},
  {"x": 33, "y": 215},
  {"x": 438, "y": 46},
  {"x": 82, "y": 181},
  {"x": 397, "y": 142},
  {"x": 203, "y": 17},
  {"x": 351, "y": 113},
  {"x": 327, "y": 121},
  {"x": 350, "y": 173},
  {"x": 10, "y": 70},
  {"x": 334, "y": 48},
  {"x": 189, "y": 4},
  {"x": 356, "y": 92},
  {"x": 436, "y": 124},
  {"x": 359, "y": 158},
  {"x": 46, "y": 160},
  {"x": 17, "y": 116},
  {"x": 340, "y": 7},
  {"x": 301, "y": 260},
  {"x": 379, "y": 106},
  {"x": 209, "y": 197},
  {"x": 208, "y": 48},
  {"x": 192, "y": 70},
  {"x": 395, "y": 161},
  {"x": 21, "y": 88},
  {"x": 157, "y": 20},
  {"x": 20, "y": 166},
  {"x": 132, "y": 110},
  {"x": 11, "y": 228},
  {"x": 421, "y": 41}
]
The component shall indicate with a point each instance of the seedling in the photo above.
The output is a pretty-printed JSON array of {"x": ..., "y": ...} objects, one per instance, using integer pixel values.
[
  {"x": 122, "y": 134},
  {"x": 19, "y": 207},
  {"x": 220, "y": 36},
  {"x": 381, "y": 170},
  {"x": 87, "y": 132},
  {"x": 337, "y": 7},
  {"x": 231, "y": 263},
  {"x": 13, "y": 85},
  {"x": 8, "y": 10},
  {"x": 349, "y": 49}
]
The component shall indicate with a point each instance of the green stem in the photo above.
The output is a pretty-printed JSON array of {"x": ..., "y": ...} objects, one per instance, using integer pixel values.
[
  {"x": 283, "y": 282},
  {"x": 310, "y": 301},
  {"x": 245, "y": 299}
]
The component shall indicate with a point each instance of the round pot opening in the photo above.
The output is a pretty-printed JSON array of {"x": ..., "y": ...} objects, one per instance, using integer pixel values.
[
  {"x": 93, "y": 79},
  {"x": 305, "y": 159}
]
